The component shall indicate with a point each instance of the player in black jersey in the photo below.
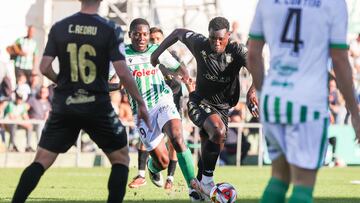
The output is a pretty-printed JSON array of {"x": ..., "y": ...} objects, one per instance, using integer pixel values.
[
  {"x": 217, "y": 88},
  {"x": 156, "y": 37},
  {"x": 84, "y": 44}
]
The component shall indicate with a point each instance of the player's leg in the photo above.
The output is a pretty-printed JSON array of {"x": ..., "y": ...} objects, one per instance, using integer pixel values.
[
  {"x": 277, "y": 187},
  {"x": 106, "y": 130},
  {"x": 140, "y": 180},
  {"x": 59, "y": 134},
  {"x": 211, "y": 147},
  {"x": 158, "y": 161},
  {"x": 172, "y": 166},
  {"x": 119, "y": 160},
  {"x": 307, "y": 143}
]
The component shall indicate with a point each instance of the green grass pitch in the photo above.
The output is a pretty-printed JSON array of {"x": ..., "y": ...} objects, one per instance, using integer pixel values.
[{"x": 83, "y": 185}]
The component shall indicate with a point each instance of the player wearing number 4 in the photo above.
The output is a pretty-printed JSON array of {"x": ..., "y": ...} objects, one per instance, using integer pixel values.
[
  {"x": 294, "y": 94},
  {"x": 159, "y": 101},
  {"x": 84, "y": 44}
]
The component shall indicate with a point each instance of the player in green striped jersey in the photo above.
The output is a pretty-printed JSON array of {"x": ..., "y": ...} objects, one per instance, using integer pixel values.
[{"x": 159, "y": 101}]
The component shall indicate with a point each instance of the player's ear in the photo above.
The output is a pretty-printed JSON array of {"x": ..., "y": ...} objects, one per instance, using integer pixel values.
[{"x": 129, "y": 34}]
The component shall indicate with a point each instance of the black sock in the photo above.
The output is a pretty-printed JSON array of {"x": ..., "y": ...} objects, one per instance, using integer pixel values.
[
  {"x": 142, "y": 157},
  {"x": 172, "y": 167},
  {"x": 200, "y": 169},
  {"x": 209, "y": 156},
  {"x": 28, "y": 181},
  {"x": 117, "y": 183}
]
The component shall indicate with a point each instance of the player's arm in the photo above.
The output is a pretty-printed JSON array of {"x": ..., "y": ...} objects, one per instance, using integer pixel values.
[
  {"x": 46, "y": 68},
  {"x": 129, "y": 83},
  {"x": 252, "y": 101},
  {"x": 255, "y": 63},
  {"x": 345, "y": 84},
  {"x": 175, "y": 36}
]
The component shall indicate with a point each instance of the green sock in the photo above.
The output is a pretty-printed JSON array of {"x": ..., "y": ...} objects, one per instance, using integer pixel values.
[
  {"x": 275, "y": 191},
  {"x": 151, "y": 166},
  {"x": 301, "y": 194},
  {"x": 186, "y": 164}
]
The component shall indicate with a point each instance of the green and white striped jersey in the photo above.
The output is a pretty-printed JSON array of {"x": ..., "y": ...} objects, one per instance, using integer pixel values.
[
  {"x": 299, "y": 36},
  {"x": 29, "y": 46},
  {"x": 149, "y": 79}
]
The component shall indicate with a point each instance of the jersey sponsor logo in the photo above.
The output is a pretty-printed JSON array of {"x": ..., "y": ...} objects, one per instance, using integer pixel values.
[
  {"x": 144, "y": 72},
  {"x": 284, "y": 69},
  {"x": 215, "y": 78},
  {"x": 80, "y": 97}
]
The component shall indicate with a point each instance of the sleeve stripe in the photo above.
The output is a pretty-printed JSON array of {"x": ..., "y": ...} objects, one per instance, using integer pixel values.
[
  {"x": 256, "y": 37},
  {"x": 339, "y": 46}
]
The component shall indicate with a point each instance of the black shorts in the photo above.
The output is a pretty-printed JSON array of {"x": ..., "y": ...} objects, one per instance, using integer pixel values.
[
  {"x": 104, "y": 128},
  {"x": 199, "y": 113}
]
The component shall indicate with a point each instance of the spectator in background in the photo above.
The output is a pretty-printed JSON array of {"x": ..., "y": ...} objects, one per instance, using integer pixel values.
[
  {"x": 35, "y": 84},
  {"x": 22, "y": 86},
  {"x": 25, "y": 59},
  {"x": 355, "y": 50},
  {"x": 334, "y": 101},
  {"x": 17, "y": 110},
  {"x": 125, "y": 113},
  {"x": 39, "y": 107},
  {"x": 235, "y": 35}
]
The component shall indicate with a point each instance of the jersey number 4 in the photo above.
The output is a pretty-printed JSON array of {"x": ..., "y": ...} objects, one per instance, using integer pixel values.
[
  {"x": 79, "y": 63},
  {"x": 293, "y": 20}
]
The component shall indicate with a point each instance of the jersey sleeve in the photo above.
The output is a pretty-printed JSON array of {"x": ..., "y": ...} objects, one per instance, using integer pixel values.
[
  {"x": 50, "y": 48},
  {"x": 256, "y": 28},
  {"x": 338, "y": 25},
  {"x": 241, "y": 53},
  {"x": 169, "y": 61},
  {"x": 192, "y": 40},
  {"x": 114, "y": 50}
]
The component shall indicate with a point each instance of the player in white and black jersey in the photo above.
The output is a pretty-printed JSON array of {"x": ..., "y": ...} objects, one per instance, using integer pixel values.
[{"x": 217, "y": 88}]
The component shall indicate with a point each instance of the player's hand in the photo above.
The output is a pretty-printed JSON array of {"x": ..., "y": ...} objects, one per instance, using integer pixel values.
[
  {"x": 355, "y": 120},
  {"x": 252, "y": 104},
  {"x": 190, "y": 85},
  {"x": 143, "y": 114},
  {"x": 154, "y": 60}
]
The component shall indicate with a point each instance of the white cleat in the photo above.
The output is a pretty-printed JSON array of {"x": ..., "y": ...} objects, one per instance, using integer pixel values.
[{"x": 206, "y": 189}]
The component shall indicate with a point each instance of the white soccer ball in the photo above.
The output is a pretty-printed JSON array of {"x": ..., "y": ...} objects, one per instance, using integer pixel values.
[{"x": 223, "y": 193}]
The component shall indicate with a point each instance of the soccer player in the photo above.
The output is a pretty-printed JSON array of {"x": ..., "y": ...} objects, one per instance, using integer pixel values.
[
  {"x": 156, "y": 37},
  {"x": 159, "y": 101},
  {"x": 217, "y": 88},
  {"x": 294, "y": 95},
  {"x": 84, "y": 44}
]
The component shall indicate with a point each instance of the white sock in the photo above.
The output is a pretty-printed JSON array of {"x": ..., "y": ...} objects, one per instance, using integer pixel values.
[
  {"x": 207, "y": 179},
  {"x": 171, "y": 178},
  {"x": 142, "y": 173}
]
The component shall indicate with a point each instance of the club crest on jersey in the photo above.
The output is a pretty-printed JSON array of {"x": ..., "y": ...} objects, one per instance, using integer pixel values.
[
  {"x": 144, "y": 72},
  {"x": 228, "y": 58},
  {"x": 130, "y": 60}
]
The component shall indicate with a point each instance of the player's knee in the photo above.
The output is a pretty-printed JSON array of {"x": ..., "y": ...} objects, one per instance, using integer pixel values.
[
  {"x": 219, "y": 134},
  {"x": 178, "y": 142},
  {"x": 163, "y": 162}
]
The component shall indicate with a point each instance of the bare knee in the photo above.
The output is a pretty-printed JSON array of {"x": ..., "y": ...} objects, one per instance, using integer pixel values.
[
  {"x": 177, "y": 141},
  {"x": 162, "y": 162},
  {"x": 120, "y": 156},
  {"x": 218, "y": 134}
]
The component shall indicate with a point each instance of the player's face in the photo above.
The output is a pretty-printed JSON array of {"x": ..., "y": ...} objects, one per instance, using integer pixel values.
[
  {"x": 140, "y": 37},
  {"x": 156, "y": 37},
  {"x": 218, "y": 40}
]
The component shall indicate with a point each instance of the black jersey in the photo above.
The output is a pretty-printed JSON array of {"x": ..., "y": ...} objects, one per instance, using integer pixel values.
[
  {"x": 84, "y": 45},
  {"x": 217, "y": 79}
]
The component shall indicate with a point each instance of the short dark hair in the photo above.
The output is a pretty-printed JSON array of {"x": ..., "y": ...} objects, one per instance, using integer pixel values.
[
  {"x": 138, "y": 21},
  {"x": 156, "y": 29},
  {"x": 219, "y": 23}
]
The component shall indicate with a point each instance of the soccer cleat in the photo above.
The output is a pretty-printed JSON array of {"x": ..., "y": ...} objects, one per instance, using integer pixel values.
[
  {"x": 138, "y": 181},
  {"x": 195, "y": 196},
  {"x": 206, "y": 188},
  {"x": 156, "y": 178},
  {"x": 168, "y": 184}
]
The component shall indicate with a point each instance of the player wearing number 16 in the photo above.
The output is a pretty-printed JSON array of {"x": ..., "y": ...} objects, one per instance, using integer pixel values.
[
  {"x": 294, "y": 96},
  {"x": 84, "y": 44}
]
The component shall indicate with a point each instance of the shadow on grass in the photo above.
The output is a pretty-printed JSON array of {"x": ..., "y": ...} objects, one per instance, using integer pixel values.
[{"x": 51, "y": 200}]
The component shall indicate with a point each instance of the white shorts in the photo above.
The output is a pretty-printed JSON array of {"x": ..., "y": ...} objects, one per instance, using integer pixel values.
[
  {"x": 303, "y": 145},
  {"x": 161, "y": 113}
]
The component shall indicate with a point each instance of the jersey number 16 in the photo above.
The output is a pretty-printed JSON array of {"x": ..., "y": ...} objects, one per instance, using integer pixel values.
[{"x": 79, "y": 63}]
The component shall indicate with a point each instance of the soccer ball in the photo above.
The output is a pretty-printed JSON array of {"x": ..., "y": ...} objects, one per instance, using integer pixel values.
[{"x": 223, "y": 193}]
